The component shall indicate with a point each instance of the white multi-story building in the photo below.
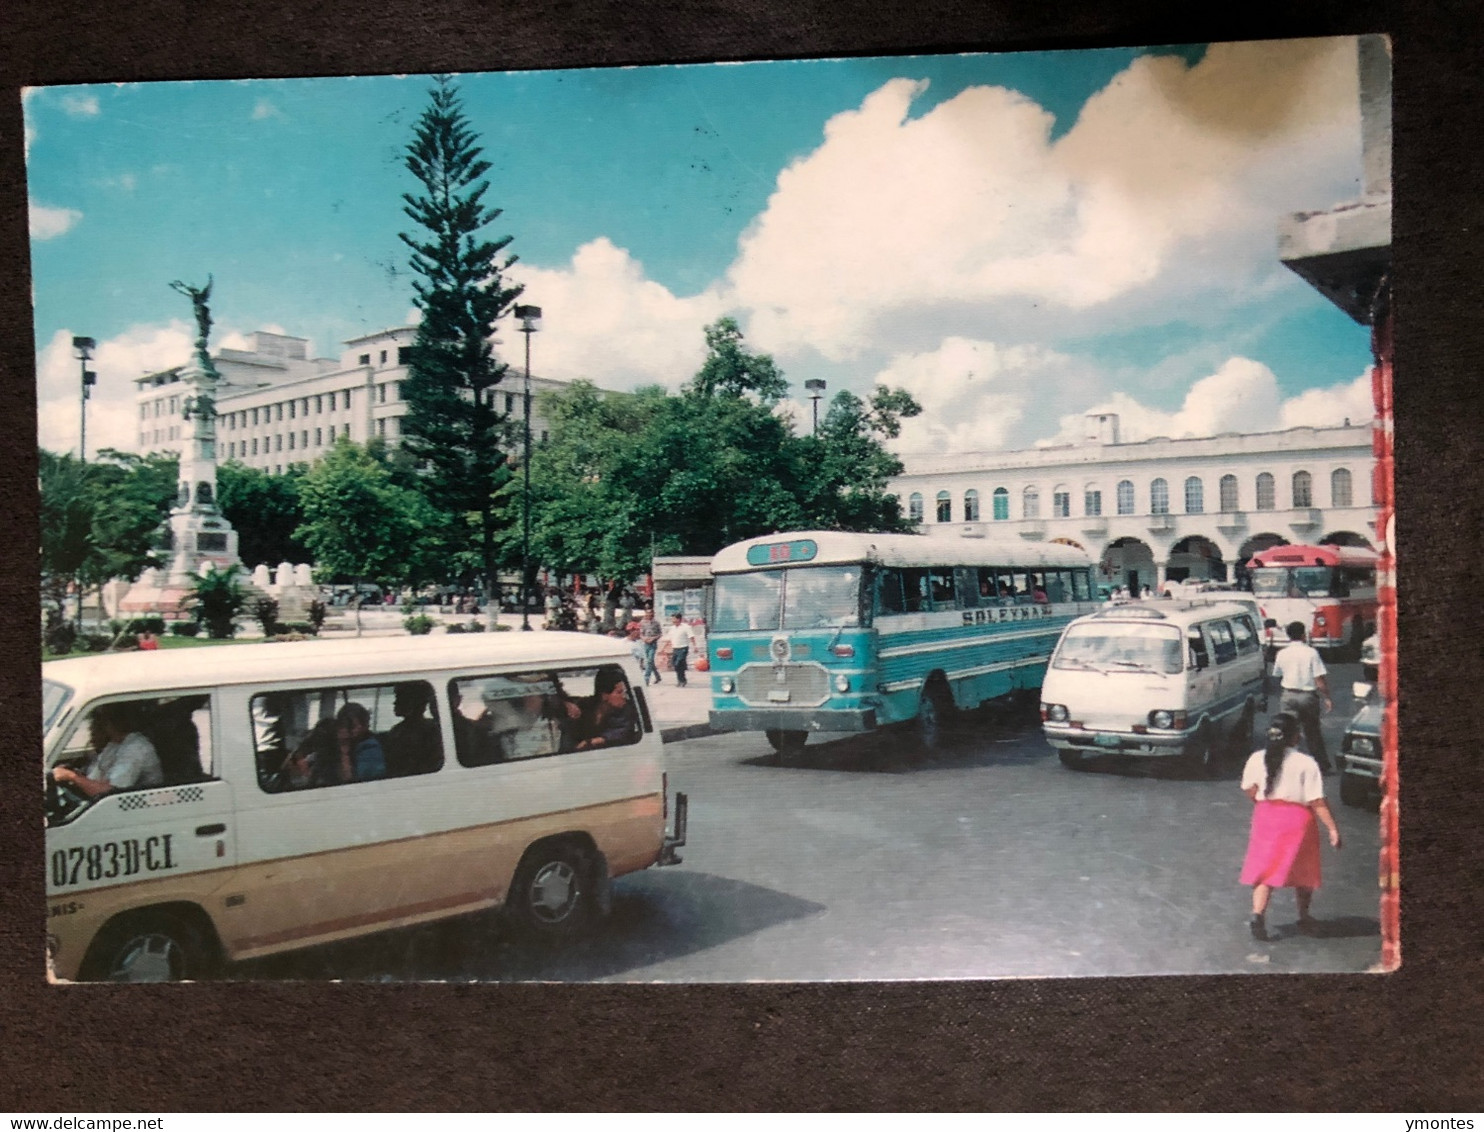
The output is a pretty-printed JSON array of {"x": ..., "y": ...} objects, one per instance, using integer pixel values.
[
  {"x": 277, "y": 406},
  {"x": 1159, "y": 509}
]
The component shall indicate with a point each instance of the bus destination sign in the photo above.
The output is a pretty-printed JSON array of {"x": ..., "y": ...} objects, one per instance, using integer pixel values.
[{"x": 782, "y": 553}]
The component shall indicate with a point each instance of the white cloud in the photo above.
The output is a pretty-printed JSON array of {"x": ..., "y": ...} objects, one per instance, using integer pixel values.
[
  {"x": 113, "y": 420},
  {"x": 80, "y": 105},
  {"x": 1241, "y": 396},
  {"x": 1170, "y": 181},
  {"x": 605, "y": 322},
  {"x": 48, "y": 223},
  {"x": 263, "y": 108}
]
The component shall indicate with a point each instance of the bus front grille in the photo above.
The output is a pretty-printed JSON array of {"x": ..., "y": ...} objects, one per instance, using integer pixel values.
[{"x": 783, "y": 685}]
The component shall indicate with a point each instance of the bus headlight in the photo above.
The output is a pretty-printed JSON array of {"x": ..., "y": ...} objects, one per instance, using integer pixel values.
[
  {"x": 842, "y": 684},
  {"x": 727, "y": 684},
  {"x": 1164, "y": 720},
  {"x": 1056, "y": 713}
]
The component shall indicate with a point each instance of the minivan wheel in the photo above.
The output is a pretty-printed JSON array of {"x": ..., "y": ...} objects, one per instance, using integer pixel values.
[
  {"x": 1241, "y": 738},
  {"x": 551, "y": 898},
  {"x": 152, "y": 947},
  {"x": 1205, "y": 754}
]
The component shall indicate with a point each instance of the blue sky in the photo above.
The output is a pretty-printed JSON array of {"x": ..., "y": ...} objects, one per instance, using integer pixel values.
[{"x": 1018, "y": 239}]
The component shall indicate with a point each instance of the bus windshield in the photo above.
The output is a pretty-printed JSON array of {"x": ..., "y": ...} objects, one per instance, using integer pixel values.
[
  {"x": 1120, "y": 647},
  {"x": 1296, "y": 581},
  {"x": 812, "y": 598}
]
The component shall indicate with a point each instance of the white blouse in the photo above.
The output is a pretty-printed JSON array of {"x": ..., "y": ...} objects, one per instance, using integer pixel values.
[{"x": 1299, "y": 779}]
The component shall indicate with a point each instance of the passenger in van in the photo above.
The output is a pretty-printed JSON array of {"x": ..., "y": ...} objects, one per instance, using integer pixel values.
[
  {"x": 413, "y": 745},
  {"x": 123, "y": 759},
  {"x": 361, "y": 756},
  {"x": 466, "y": 731},
  {"x": 518, "y": 722},
  {"x": 607, "y": 717},
  {"x": 314, "y": 762}
]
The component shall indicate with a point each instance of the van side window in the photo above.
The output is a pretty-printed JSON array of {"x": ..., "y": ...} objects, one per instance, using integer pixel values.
[
  {"x": 511, "y": 717},
  {"x": 315, "y": 737},
  {"x": 1222, "y": 642},
  {"x": 1196, "y": 646},
  {"x": 1244, "y": 634},
  {"x": 143, "y": 744}
]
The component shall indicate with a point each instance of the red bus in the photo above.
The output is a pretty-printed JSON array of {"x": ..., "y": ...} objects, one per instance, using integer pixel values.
[{"x": 1330, "y": 589}]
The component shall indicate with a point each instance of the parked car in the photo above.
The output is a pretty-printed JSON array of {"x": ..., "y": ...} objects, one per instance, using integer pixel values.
[
  {"x": 1360, "y": 751},
  {"x": 1370, "y": 659}
]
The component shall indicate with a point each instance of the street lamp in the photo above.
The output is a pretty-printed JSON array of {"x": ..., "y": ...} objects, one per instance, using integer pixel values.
[
  {"x": 529, "y": 316},
  {"x": 815, "y": 386},
  {"x": 84, "y": 348}
]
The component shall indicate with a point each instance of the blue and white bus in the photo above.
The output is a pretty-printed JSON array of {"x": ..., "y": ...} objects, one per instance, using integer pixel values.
[{"x": 826, "y": 631}]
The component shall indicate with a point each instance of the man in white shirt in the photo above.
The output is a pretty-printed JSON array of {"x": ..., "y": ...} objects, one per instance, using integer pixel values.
[
  {"x": 1301, "y": 672},
  {"x": 680, "y": 638},
  {"x": 124, "y": 759}
]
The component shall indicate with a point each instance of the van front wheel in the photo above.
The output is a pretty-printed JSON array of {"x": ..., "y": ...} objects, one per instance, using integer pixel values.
[
  {"x": 551, "y": 898},
  {"x": 151, "y": 947},
  {"x": 1205, "y": 752}
]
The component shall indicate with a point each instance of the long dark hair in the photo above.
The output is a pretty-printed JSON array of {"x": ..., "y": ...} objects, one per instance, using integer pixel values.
[{"x": 1282, "y": 733}]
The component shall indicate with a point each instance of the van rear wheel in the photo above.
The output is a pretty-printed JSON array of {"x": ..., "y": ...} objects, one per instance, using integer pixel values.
[{"x": 551, "y": 898}]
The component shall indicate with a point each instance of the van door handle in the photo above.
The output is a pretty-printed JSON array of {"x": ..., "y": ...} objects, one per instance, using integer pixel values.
[{"x": 210, "y": 830}]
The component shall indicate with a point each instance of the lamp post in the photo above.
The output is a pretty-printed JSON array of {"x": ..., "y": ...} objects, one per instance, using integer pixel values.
[
  {"x": 815, "y": 386},
  {"x": 529, "y": 316},
  {"x": 84, "y": 348}
]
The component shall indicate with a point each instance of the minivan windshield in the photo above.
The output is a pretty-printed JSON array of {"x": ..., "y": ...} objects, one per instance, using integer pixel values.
[
  {"x": 53, "y": 697},
  {"x": 1120, "y": 647}
]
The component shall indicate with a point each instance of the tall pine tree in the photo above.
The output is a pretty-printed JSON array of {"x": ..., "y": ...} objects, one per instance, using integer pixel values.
[{"x": 452, "y": 427}]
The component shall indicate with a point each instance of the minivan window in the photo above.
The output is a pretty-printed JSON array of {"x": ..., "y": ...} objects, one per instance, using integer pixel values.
[
  {"x": 313, "y": 737},
  {"x": 1222, "y": 642},
  {"x": 1244, "y": 634},
  {"x": 511, "y": 717}
]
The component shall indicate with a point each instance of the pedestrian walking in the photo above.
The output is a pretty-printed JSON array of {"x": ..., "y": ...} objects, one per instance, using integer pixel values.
[
  {"x": 679, "y": 637},
  {"x": 1283, "y": 846},
  {"x": 649, "y": 635},
  {"x": 1302, "y": 677}
]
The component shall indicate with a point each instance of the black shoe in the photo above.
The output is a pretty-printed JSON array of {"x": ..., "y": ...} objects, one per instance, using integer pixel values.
[{"x": 1259, "y": 927}]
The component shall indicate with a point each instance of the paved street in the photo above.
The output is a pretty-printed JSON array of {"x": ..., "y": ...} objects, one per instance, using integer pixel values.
[{"x": 861, "y": 862}]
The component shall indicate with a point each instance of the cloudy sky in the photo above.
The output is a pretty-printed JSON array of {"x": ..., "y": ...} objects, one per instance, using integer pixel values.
[{"x": 1017, "y": 239}]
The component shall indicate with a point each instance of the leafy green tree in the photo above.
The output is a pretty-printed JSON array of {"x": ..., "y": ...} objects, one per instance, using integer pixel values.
[
  {"x": 847, "y": 464},
  {"x": 729, "y": 370},
  {"x": 67, "y": 542},
  {"x": 452, "y": 426},
  {"x": 264, "y": 510},
  {"x": 359, "y": 522}
]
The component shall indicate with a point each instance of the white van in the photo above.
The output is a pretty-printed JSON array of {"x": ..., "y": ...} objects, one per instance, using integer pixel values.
[
  {"x": 315, "y": 791},
  {"x": 1157, "y": 677}
]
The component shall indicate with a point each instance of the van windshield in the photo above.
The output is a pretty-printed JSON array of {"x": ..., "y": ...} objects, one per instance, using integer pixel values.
[
  {"x": 1115, "y": 647},
  {"x": 53, "y": 697}
]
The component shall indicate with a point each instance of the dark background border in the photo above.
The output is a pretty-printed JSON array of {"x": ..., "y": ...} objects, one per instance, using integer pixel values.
[{"x": 1403, "y": 1042}]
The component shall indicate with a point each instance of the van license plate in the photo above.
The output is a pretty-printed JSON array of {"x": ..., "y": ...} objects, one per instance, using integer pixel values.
[{"x": 1107, "y": 740}]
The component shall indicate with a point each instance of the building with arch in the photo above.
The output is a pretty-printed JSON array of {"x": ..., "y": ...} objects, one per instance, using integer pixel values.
[{"x": 1156, "y": 510}]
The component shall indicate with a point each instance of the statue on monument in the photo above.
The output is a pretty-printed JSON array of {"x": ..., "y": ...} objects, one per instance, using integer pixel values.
[{"x": 199, "y": 297}]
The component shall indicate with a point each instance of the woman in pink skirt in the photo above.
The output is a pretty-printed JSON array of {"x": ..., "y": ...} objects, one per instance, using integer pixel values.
[{"x": 1283, "y": 847}]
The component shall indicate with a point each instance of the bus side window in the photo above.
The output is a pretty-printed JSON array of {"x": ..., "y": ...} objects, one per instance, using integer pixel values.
[
  {"x": 1005, "y": 583},
  {"x": 988, "y": 591},
  {"x": 1056, "y": 586},
  {"x": 889, "y": 592},
  {"x": 941, "y": 580},
  {"x": 968, "y": 586},
  {"x": 1081, "y": 586},
  {"x": 915, "y": 589}
]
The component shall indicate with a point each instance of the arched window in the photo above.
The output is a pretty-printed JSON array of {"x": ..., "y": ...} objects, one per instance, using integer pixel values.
[
  {"x": 971, "y": 506},
  {"x": 1092, "y": 499},
  {"x": 1031, "y": 504},
  {"x": 914, "y": 507},
  {"x": 1125, "y": 497},
  {"x": 1001, "y": 503},
  {"x": 1339, "y": 488},
  {"x": 1195, "y": 496},
  {"x": 1266, "y": 496},
  {"x": 1159, "y": 498},
  {"x": 1303, "y": 489},
  {"x": 1228, "y": 493},
  {"x": 945, "y": 507},
  {"x": 1061, "y": 501}
]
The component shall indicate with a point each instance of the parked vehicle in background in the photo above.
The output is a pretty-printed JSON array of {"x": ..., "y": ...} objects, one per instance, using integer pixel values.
[
  {"x": 1330, "y": 590},
  {"x": 1370, "y": 659},
  {"x": 1360, "y": 751},
  {"x": 319, "y": 791},
  {"x": 829, "y": 631},
  {"x": 1156, "y": 678}
]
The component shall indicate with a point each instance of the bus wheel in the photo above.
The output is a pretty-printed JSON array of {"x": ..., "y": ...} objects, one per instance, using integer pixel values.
[
  {"x": 934, "y": 713},
  {"x": 788, "y": 744},
  {"x": 151, "y": 947},
  {"x": 551, "y": 897}
]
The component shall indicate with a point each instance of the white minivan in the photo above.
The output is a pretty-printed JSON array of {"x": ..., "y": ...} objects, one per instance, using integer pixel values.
[
  {"x": 1156, "y": 678},
  {"x": 300, "y": 793}
]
